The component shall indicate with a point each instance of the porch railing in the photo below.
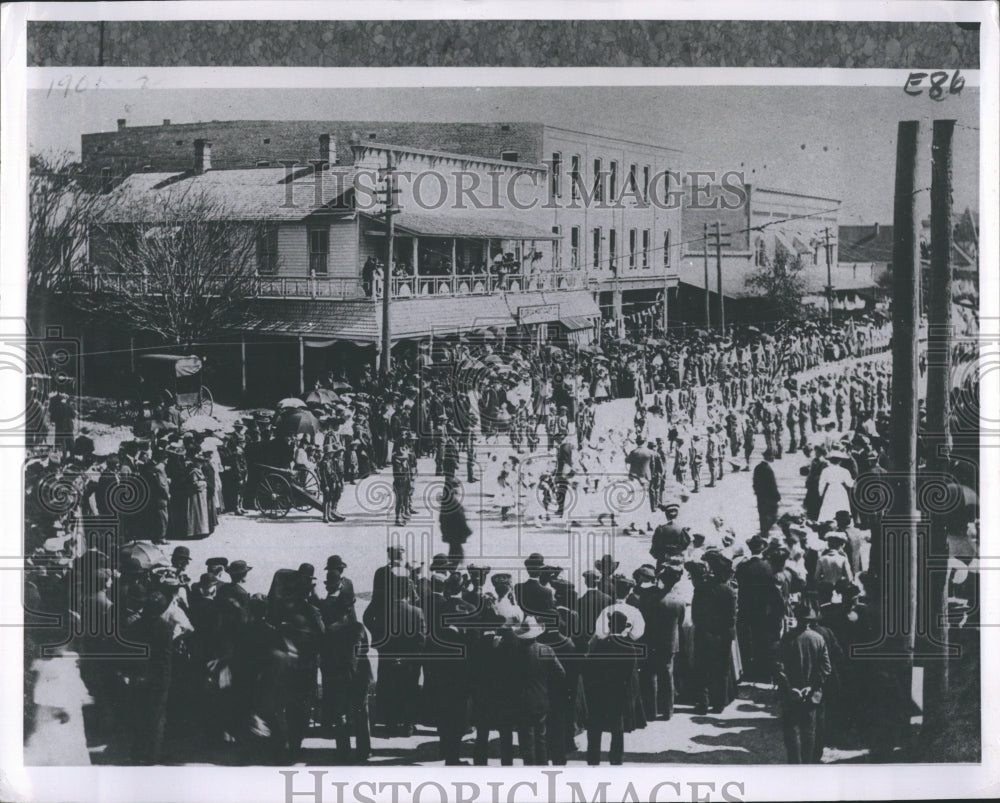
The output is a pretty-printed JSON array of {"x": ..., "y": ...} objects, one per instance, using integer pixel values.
[{"x": 346, "y": 287}]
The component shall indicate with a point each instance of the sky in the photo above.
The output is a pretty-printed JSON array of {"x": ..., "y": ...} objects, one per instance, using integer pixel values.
[{"x": 835, "y": 142}]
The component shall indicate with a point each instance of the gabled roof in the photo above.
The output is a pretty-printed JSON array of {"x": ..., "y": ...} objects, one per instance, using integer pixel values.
[
  {"x": 865, "y": 244},
  {"x": 253, "y": 194}
]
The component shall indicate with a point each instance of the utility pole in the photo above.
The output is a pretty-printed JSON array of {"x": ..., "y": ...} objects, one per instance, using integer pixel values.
[
  {"x": 938, "y": 435},
  {"x": 718, "y": 276},
  {"x": 829, "y": 276},
  {"x": 897, "y": 548},
  {"x": 390, "y": 212},
  {"x": 708, "y": 306}
]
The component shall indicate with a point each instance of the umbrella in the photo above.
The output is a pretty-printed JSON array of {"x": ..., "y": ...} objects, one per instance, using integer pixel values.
[
  {"x": 201, "y": 422},
  {"x": 147, "y": 554},
  {"x": 290, "y": 404},
  {"x": 493, "y": 359},
  {"x": 297, "y": 422},
  {"x": 322, "y": 396},
  {"x": 340, "y": 386}
]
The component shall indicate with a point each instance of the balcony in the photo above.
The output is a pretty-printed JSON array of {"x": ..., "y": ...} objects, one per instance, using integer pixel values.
[{"x": 345, "y": 288}]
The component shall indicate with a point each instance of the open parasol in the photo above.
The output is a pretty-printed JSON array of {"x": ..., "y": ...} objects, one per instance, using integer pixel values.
[
  {"x": 296, "y": 422},
  {"x": 322, "y": 396},
  {"x": 290, "y": 404},
  {"x": 145, "y": 553}
]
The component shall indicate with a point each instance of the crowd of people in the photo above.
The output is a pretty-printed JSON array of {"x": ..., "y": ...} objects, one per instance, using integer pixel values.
[{"x": 455, "y": 645}]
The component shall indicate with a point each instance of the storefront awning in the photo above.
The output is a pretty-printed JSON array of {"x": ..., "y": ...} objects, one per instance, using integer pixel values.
[
  {"x": 573, "y": 322},
  {"x": 474, "y": 225}
]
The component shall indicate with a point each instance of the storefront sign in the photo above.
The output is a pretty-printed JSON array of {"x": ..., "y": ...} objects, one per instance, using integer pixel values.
[{"x": 539, "y": 313}]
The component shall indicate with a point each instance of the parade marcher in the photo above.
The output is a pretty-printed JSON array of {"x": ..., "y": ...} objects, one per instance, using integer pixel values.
[
  {"x": 404, "y": 468},
  {"x": 331, "y": 482}
]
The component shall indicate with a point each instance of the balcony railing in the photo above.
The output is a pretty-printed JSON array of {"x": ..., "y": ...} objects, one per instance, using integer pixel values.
[{"x": 343, "y": 288}]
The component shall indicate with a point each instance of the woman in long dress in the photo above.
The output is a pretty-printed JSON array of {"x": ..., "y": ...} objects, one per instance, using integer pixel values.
[
  {"x": 834, "y": 487},
  {"x": 196, "y": 493}
]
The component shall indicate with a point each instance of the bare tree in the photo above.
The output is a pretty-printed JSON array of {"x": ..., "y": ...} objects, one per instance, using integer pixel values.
[
  {"x": 61, "y": 209},
  {"x": 178, "y": 264}
]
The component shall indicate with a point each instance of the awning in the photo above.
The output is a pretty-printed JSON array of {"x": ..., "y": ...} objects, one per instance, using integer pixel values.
[
  {"x": 446, "y": 316},
  {"x": 574, "y": 322},
  {"x": 483, "y": 225}
]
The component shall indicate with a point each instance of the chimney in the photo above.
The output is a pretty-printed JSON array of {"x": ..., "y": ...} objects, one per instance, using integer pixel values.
[
  {"x": 166, "y": 121},
  {"x": 202, "y": 155},
  {"x": 105, "y": 179},
  {"x": 328, "y": 149},
  {"x": 121, "y": 123}
]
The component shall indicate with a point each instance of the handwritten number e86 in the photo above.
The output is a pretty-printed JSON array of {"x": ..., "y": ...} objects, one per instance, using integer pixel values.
[{"x": 937, "y": 83}]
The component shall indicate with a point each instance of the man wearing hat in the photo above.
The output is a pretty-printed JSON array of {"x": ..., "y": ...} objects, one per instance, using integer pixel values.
[
  {"x": 765, "y": 488},
  {"x": 535, "y": 597},
  {"x": 180, "y": 560},
  {"x": 331, "y": 481},
  {"x": 663, "y": 610},
  {"x": 537, "y": 670},
  {"x": 154, "y": 474},
  {"x": 607, "y": 677},
  {"x": 236, "y": 589},
  {"x": 802, "y": 670},
  {"x": 713, "y": 612},
  {"x": 404, "y": 471},
  {"x": 760, "y": 612}
]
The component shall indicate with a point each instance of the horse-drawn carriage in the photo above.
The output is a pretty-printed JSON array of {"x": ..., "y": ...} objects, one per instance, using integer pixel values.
[{"x": 170, "y": 380}]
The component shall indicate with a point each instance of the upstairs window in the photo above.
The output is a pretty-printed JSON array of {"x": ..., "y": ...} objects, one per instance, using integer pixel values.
[
  {"x": 267, "y": 250},
  {"x": 319, "y": 251}
]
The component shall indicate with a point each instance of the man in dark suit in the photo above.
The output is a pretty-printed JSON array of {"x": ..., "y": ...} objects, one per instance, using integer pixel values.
[
  {"x": 765, "y": 487},
  {"x": 663, "y": 612},
  {"x": 590, "y": 604},
  {"x": 802, "y": 670},
  {"x": 565, "y": 470},
  {"x": 761, "y": 610},
  {"x": 537, "y": 671},
  {"x": 404, "y": 637}
]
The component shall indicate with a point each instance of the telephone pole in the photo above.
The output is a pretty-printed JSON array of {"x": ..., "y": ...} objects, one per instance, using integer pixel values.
[
  {"x": 718, "y": 276},
  {"x": 939, "y": 341},
  {"x": 897, "y": 551},
  {"x": 829, "y": 275},
  {"x": 708, "y": 306},
  {"x": 390, "y": 212}
]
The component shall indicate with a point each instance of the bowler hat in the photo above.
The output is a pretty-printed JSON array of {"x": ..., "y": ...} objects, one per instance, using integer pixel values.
[
  {"x": 212, "y": 562},
  {"x": 181, "y": 552},
  {"x": 606, "y": 565},
  {"x": 534, "y": 561},
  {"x": 335, "y": 562},
  {"x": 239, "y": 567}
]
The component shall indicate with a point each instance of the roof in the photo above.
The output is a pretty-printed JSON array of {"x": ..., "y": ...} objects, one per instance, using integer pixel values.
[
  {"x": 736, "y": 271},
  {"x": 482, "y": 224},
  {"x": 445, "y": 316},
  {"x": 254, "y": 194},
  {"x": 864, "y": 243},
  {"x": 343, "y": 320},
  {"x": 361, "y": 321}
]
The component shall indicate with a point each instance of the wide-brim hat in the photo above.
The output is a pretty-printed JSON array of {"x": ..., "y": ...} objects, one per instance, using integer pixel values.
[
  {"x": 716, "y": 561},
  {"x": 635, "y": 625},
  {"x": 528, "y": 629},
  {"x": 835, "y": 535}
]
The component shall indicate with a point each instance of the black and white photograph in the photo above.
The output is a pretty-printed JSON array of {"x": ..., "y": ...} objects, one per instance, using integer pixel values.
[{"x": 562, "y": 415}]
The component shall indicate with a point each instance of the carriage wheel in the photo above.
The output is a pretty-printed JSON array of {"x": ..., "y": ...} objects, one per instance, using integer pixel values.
[
  {"x": 274, "y": 496},
  {"x": 204, "y": 407},
  {"x": 310, "y": 484}
]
